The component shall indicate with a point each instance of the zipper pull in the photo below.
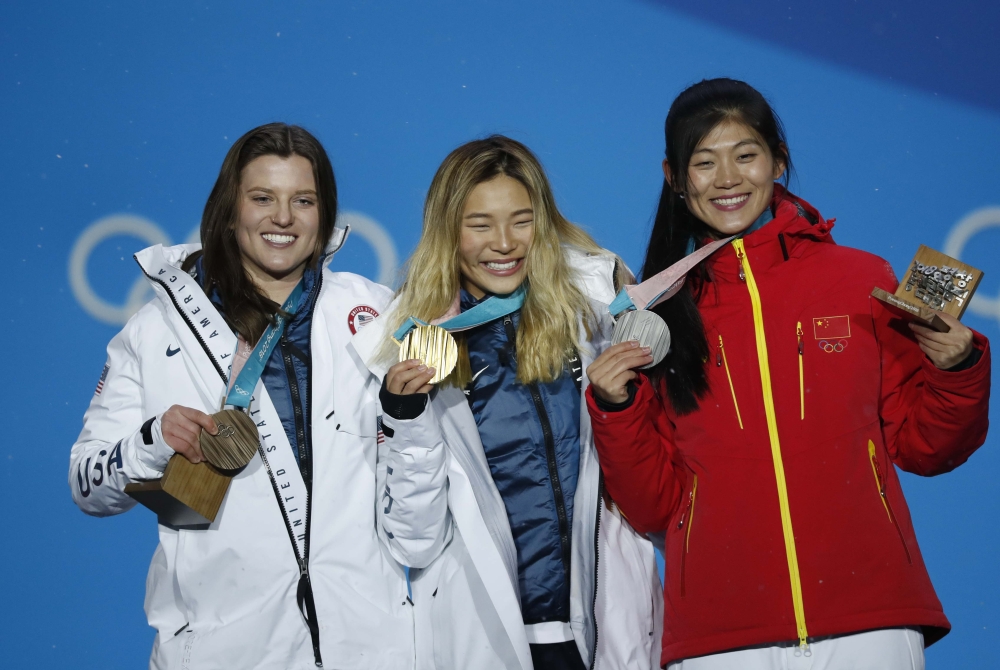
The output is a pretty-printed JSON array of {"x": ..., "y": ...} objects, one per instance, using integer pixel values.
[
  {"x": 798, "y": 333},
  {"x": 680, "y": 524},
  {"x": 718, "y": 354},
  {"x": 303, "y": 568},
  {"x": 743, "y": 274}
]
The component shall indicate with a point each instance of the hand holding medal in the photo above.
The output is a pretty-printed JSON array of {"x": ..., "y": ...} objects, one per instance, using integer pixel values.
[
  {"x": 433, "y": 344},
  {"x": 641, "y": 339},
  {"x": 631, "y": 307},
  {"x": 236, "y": 440}
]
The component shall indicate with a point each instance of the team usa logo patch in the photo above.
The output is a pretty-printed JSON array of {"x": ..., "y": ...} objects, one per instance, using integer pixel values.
[
  {"x": 360, "y": 317},
  {"x": 832, "y": 332},
  {"x": 104, "y": 377}
]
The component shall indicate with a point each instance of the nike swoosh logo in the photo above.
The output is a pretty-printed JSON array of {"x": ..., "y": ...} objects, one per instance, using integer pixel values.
[
  {"x": 476, "y": 376},
  {"x": 172, "y": 352}
]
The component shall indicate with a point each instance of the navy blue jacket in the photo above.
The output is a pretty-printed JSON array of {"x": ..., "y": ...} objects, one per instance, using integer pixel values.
[{"x": 531, "y": 436}]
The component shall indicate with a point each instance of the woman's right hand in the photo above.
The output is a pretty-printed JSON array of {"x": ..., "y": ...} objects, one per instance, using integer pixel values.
[
  {"x": 181, "y": 429},
  {"x": 409, "y": 377},
  {"x": 611, "y": 372}
]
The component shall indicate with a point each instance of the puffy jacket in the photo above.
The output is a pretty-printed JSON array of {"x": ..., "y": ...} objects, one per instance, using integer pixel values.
[
  {"x": 531, "y": 437},
  {"x": 783, "y": 513},
  {"x": 442, "y": 514},
  {"x": 225, "y": 596}
]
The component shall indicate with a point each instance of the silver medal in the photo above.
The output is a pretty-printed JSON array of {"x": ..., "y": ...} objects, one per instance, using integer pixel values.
[{"x": 646, "y": 327}]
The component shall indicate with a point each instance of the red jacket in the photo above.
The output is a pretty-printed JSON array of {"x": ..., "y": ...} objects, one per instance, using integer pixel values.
[{"x": 783, "y": 513}]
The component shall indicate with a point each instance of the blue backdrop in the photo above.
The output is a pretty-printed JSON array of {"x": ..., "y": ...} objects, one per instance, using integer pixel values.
[{"x": 118, "y": 114}]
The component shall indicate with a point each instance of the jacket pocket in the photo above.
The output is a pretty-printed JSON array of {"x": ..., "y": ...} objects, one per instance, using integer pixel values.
[
  {"x": 720, "y": 361},
  {"x": 880, "y": 484},
  {"x": 684, "y": 525}
]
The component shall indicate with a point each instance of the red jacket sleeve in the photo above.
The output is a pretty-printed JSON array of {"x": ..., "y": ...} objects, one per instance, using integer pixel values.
[
  {"x": 637, "y": 454},
  {"x": 932, "y": 420}
]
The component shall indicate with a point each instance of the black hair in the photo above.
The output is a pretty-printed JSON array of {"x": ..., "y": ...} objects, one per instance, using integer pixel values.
[{"x": 692, "y": 116}]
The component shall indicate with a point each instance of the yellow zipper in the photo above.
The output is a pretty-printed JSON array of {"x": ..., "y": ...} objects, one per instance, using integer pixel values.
[
  {"x": 772, "y": 430},
  {"x": 802, "y": 384},
  {"x": 880, "y": 483},
  {"x": 688, "y": 516},
  {"x": 721, "y": 360}
]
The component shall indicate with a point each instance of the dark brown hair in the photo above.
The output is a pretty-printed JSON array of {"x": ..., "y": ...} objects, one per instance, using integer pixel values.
[{"x": 246, "y": 309}]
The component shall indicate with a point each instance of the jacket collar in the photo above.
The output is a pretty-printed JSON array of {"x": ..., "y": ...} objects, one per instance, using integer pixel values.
[{"x": 796, "y": 226}]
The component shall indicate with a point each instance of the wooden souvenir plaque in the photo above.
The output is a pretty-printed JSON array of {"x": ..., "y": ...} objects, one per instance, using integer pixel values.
[
  {"x": 932, "y": 282},
  {"x": 187, "y": 494}
]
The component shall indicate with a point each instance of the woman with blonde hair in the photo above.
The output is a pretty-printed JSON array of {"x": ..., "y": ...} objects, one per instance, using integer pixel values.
[{"x": 489, "y": 483}]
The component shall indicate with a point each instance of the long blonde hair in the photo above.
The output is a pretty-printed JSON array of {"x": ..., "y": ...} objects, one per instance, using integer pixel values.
[{"x": 550, "y": 318}]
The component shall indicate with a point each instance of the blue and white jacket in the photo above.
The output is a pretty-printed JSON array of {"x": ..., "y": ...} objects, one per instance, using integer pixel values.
[{"x": 442, "y": 514}]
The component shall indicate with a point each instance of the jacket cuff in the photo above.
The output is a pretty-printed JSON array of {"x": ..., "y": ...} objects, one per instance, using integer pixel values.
[
  {"x": 640, "y": 393},
  {"x": 402, "y": 407},
  {"x": 969, "y": 361},
  {"x": 145, "y": 452},
  {"x": 151, "y": 449},
  {"x": 617, "y": 406},
  {"x": 972, "y": 369}
]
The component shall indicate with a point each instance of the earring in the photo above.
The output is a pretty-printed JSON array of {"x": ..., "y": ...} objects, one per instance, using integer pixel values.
[{"x": 680, "y": 195}]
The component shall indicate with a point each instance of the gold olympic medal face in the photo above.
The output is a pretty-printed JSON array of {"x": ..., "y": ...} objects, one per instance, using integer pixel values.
[
  {"x": 236, "y": 442},
  {"x": 646, "y": 327},
  {"x": 434, "y": 347}
]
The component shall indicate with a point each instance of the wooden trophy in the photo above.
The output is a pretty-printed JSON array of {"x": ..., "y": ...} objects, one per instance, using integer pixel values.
[
  {"x": 932, "y": 282},
  {"x": 190, "y": 494}
]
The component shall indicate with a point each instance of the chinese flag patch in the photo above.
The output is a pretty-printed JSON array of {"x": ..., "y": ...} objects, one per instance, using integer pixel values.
[{"x": 831, "y": 327}]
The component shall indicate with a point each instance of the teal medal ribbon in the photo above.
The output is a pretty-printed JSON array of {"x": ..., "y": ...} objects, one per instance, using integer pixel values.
[
  {"x": 247, "y": 380},
  {"x": 491, "y": 309}
]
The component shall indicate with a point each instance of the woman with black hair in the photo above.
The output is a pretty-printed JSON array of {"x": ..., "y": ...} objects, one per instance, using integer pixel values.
[
  {"x": 764, "y": 444},
  {"x": 291, "y": 571}
]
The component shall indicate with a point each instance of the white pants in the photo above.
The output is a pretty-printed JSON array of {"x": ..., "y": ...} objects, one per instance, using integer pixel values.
[{"x": 887, "y": 649}]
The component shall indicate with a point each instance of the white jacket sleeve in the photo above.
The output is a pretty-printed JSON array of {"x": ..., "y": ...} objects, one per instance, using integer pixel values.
[
  {"x": 413, "y": 516},
  {"x": 115, "y": 447}
]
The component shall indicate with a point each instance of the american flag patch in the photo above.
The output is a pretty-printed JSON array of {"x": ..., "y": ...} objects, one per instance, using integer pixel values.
[
  {"x": 104, "y": 376},
  {"x": 380, "y": 435}
]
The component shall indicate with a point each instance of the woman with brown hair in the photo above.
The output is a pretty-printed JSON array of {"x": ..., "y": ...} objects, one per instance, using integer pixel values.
[{"x": 291, "y": 571}]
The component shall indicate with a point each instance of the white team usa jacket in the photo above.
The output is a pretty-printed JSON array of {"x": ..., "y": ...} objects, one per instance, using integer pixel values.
[
  {"x": 447, "y": 518},
  {"x": 224, "y": 597}
]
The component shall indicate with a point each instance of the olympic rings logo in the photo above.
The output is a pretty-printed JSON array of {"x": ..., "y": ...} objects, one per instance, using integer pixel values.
[
  {"x": 964, "y": 230},
  {"x": 832, "y": 347},
  {"x": 140, "y": 292}
]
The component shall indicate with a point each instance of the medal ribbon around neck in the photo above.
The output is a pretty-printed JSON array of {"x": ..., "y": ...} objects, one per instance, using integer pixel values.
[
  {"x": 634, "y": 321},
  {"x": 433, "y": 343},
  {"x": 237, "y": 439}
]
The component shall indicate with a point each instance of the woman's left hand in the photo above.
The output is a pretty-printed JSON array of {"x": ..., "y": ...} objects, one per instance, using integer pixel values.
[{"x": 945, "y": 350}]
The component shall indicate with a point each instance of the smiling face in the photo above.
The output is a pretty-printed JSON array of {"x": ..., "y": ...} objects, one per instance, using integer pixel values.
[
  {"x": 496, "y": 231},
  {"x": 278, "y": 221},
  {"x": 730, "y": 178}
]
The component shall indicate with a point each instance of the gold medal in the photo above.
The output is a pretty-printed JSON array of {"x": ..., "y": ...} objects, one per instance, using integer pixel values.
[
  {"x": 433, "y": 346},
  {"x": 236, "y": 442},
  {"x": 646, "y": 327}
]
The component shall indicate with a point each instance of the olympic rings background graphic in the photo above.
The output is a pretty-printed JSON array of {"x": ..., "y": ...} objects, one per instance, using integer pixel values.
[
  {"x": 954, "y": 246},
  {"x": 132, "y": 225}
]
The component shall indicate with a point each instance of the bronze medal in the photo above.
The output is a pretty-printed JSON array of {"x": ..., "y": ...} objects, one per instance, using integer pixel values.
[
  {"x": 433, "y": 346},
  {"x": 646, "y": 327},
  {"x": 236, "y": 442}
]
